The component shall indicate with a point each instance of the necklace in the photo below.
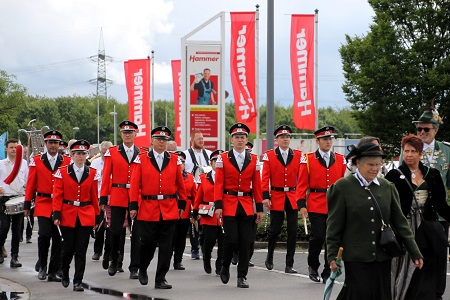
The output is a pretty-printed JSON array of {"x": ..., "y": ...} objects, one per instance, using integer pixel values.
[{"x": 413, "y": 175}]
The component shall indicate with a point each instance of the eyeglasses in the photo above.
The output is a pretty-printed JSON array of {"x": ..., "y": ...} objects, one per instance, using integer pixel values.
[{"x": 426, "y": 129}]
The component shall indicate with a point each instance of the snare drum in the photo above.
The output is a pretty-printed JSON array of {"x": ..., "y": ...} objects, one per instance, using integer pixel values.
[{"x": 14, "y": 205}]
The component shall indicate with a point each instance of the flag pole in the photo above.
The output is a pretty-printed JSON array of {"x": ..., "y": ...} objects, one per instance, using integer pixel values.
[
  {"x": 259, "y": 144},
  {"x": 316, "y": 66}
]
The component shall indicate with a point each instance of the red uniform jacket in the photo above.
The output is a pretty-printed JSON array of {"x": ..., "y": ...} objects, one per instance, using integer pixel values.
[
  {"x": 117, "y": 171},
  {"x": 67, "y": 188},
  {"x": 317, "y": 178},
  {"x": 205, "y": 195},
  {"x": 278, "y": 175},
  {"x": 230, "y": 179},
  {"x": 148, "y": 180},
  {"x": 40, "y": 181},
  {"x": 191, "y": 192}
]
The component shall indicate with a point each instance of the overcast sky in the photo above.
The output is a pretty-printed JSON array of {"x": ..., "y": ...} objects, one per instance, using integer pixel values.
[{"x": 47, "y": 43}]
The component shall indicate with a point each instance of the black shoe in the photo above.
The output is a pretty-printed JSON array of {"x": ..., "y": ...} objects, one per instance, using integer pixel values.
[
  {"x": 53, "y": 277},
  {"x": 28, "y": 240},
  {"x": 163, "y": 285},
  {"x": 207, "y": 266},
  {"x": 313, "y": 275},
  {"x": 14, "y": 263},
  {"x": 143, "y": 277},
  {"x": 37, "y": 266},
  {"x": 21, "y": 239},
  {"x": 77, "y": 287},
  {"x": 225, "y": 275},
  {"x": 178, "y": 266},
  {"x": 96, "y": 256},
  {"x": 42, "y": 274},
  {"x": 2, "y": 259},
  {"x": 235, "y": 259},
  {"x": 290, "y": 270},
  {"x": 120, "y": 269},
  {"x": 112, "y": 269},
  {"x": 324, "y": 279},
  {"x": 250, "y": 263},
  {"x": 325, "y": 276},
  {"x": 269, "y": 263},
  {"x": 134, "y": 275},
  {"x": 65, "y": 281},
  {"x": 105, "y": 264},
  {"x": 242, "y": 283},
  {"x": 194, "y": 255}
]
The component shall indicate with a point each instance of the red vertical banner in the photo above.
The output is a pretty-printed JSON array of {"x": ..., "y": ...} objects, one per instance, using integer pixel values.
[
  {"x": 137, "y": 77},
  {"x": 176, "y": 81},
  {"x": 243, "y": 67},
  {"x": 302, "y": 69}
]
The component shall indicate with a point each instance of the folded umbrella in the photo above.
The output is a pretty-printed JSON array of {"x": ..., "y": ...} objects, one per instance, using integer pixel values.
[{"x": 330, "y": 281}]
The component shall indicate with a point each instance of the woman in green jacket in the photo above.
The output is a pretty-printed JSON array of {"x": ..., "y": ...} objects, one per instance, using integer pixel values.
[{"x": 354, "y": 224}]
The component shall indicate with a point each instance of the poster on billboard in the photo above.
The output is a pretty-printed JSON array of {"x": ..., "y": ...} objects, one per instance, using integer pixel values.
[{"x": 203, "y": 71}]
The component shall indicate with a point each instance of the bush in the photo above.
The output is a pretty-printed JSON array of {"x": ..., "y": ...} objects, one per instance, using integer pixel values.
[{"x": 263, "y": 228}]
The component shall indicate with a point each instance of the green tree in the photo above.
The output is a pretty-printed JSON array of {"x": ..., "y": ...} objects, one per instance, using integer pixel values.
[
  {"x": 12, "y": 97},
  {"x": 401, "y": 64}
]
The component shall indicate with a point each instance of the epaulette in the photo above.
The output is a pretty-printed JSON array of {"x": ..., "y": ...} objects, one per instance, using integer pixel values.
[
  {"x": 98, "y": 176},
  {"x": 137, "y": 160},
  {"x": 219, "y": 161},
  {"x": 446, "y": 143},
  {"x": 58, "y": 174},
  {"x": 107, "y": 153}
]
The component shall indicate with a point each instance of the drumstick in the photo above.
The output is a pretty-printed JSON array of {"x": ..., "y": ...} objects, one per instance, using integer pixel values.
[
  {"x": 131, "y": 228},
  {"x": 29, "y": 222},
  {"x": 304, "y": 224},
  {"x": 60, "y": 234},
  {"x": 193, "y": 229},
  {"x": 221, "y": 225}
]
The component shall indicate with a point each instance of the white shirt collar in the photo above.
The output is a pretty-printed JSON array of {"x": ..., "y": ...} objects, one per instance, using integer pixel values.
[
  {"x": 155, "y": 154},
  {"x": 131, "y": 148},
  {"x": 237, "y": 153},
  {"x": 428, "y": 146},
  {"x": 75, "y": 168},
  {"x": 283, "y": 151},
  {"x": 50, "y": 157},
  {"x": 322, "y": 153},
  {"x": 363, "y": 181}
]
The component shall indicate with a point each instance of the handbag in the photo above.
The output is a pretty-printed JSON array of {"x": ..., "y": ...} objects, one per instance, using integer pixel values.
[
  {"x": 206, "y": 210},
  {"x": 388, "y": 240},
  {"x": 429, "y": 234}
]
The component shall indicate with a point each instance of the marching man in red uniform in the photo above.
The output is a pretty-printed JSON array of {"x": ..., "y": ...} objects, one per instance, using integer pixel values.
[
  {"x": 182, "y": 226},
  {"x": 40, "y": 182},
  {"x": 212, "y": 230},
  {"x": 238, "y": 181},
  {"x": 117, "y": 171},
  {"x": 157, "y": 179},
  {"x": 279, "y": 184},
  {"x": 318, "y": 171},
  {"x": 75, "y": 209}
]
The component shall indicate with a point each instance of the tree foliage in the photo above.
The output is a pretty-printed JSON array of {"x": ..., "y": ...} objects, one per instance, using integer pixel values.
[{"x": 400, "y": 65}]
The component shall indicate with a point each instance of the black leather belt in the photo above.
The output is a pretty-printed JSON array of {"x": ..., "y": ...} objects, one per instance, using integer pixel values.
[
  {"x": 77, "y": 203},
  {"x": 283, "y": 189},
  {"x": 44, "y": 195},
  {"x": 121, "y": 185},
  {"x": 240, "y": 194},
  {"x": 158, "y": 197},
  {"x": 318, "y": 190},
  {"x": 189, "y": 197}
]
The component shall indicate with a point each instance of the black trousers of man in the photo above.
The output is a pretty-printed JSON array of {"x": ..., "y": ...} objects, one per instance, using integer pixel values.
[
  {"x": 442, "y": 267},
  {"x": 76, "y": 242},
  {"x": 7, "y": 221},
  {"x": 211, "y": 234},
  {"x": 157, "y": 234},
  {"x": 117, "y": 219},
  {"x": 238, "y": 235},
  {"x": 276, "y": 222},
  {"x": 48, "y": 231},
  {"x": 317, "y": 241},
  {"x": 179, "y": 239}
]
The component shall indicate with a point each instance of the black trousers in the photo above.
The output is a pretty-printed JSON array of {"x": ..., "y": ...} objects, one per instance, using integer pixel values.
[
  {"x": 13, "y": 221},
  {"x": 195, "y": 237},
  {"x": 107, "y": 248},
  {"x": 211, "y": 234},
  {"x": 276, "y": 222},
  {"x": 76, "y": 242},
  {"x": 252, "y": 244},
  {"x": 442, "y": 267},
  {"x": 157, "y": 234},
  {"x": 29, "y": 230},
  {"x": 317, "y": 241},
  {"x": 116, "y": 226},
  {"x": 179, "y": 239},
  {"x": 238, "y": 235},
  {"x": 48, "y": 231}
]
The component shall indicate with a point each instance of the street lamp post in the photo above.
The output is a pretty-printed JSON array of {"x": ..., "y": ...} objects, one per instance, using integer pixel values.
[
  {"x": 114, "y": 113},
  {"x": 75, "y": 129}
]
